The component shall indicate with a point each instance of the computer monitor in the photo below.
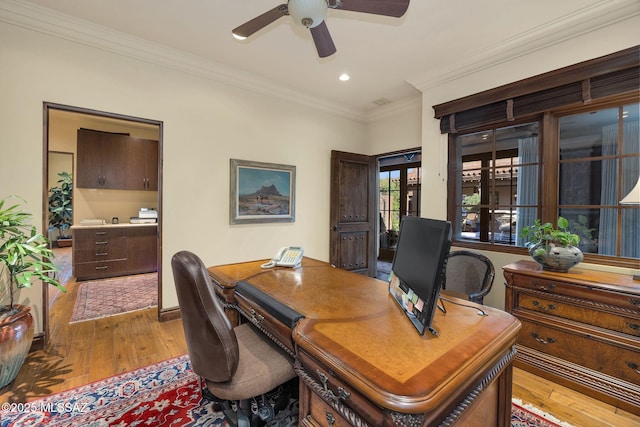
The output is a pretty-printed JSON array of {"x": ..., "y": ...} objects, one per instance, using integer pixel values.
[{"x": 418, "y": 269}]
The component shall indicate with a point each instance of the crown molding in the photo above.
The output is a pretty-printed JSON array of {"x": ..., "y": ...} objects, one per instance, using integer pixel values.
[
  {"x": 53, "y": 23},
  {"x": 596, "y": 16}
]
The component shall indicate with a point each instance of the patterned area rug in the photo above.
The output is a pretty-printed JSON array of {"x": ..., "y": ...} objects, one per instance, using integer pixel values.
[
  {"x": 102, "y": 298},
  {"x": 165, "y": 394},
  {"x": 526, "y": 415}
]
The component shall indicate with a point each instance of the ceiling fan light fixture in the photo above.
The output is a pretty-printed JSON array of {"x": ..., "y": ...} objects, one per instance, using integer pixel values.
[{"x": 308, "y": 13}]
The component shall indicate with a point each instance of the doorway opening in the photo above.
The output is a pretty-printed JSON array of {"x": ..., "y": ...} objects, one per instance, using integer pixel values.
[
  {"x": 399, "y": 195},
  {"x": 61, "y": 125}
]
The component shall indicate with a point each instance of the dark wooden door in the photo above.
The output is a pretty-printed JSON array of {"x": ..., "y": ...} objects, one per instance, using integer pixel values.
[{"x": 353, "y": 212}]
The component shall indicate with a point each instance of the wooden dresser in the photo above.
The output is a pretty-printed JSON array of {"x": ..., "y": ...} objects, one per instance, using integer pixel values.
[{"x": 580, "y": 329}]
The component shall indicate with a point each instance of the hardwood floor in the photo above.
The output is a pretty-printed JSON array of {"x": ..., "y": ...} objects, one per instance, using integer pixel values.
[{"x": 89, "y": 351}]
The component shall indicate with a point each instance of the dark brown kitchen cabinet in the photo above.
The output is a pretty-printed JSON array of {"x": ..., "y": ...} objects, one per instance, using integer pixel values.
[
  {"x": 580, "y": 329},
  {"x": 142, "y": 249},
  {"x": 116, "y": 161},
  {"x": 102, "y": 159},
  {"x": 142, "y": 164},
  {"x": 114, "y": 250}
]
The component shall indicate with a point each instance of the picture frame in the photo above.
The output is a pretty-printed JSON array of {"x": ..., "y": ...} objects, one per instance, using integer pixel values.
[{"x": 261, "y": 192}]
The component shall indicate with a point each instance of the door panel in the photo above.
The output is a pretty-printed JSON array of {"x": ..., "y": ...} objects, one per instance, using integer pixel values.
[{"x": 353, "y": 212}]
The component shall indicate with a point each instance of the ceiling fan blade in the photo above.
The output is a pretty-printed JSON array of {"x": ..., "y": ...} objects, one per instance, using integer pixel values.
[
  {"x": 395, "y": 8},
  {"x": 323, "y": 40},
  {"x": 261, "y": 21}
]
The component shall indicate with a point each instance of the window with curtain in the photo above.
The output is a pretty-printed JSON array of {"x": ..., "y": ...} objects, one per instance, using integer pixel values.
[
  {"x": 563, "y": 143},
  {"x": 599, "y": 164},
  {"x": 497, "y": 183}
]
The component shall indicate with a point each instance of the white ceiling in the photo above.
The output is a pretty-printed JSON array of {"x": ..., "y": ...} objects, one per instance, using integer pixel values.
[{"x": 386, "y": 57}]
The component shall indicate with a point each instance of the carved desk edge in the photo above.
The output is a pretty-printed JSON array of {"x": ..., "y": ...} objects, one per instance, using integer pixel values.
[{"x": 404, "y": 419}]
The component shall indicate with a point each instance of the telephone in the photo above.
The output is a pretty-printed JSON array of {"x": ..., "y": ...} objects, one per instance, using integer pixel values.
[{"x": 286, "y": 257}]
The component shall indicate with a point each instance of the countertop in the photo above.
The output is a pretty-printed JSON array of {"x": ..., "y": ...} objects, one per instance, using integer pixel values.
[{"x": 123, "y": 224}]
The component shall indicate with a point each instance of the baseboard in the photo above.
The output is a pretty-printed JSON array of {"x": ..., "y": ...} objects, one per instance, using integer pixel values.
[
  {"x": 38, "y": 342},
  {"x": 167, "y": 314}
]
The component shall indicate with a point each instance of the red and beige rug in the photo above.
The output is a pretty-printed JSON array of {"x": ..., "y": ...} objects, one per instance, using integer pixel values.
[
  {"x": 164, "y": 394},
  {"x": 118, "y": 295}
]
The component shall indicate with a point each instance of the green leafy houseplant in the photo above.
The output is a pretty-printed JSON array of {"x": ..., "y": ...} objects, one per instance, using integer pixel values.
[
  {"x": 553, "y": 247},
  {"x": 25, "y": 256},
  {"x": 24, "y": 259},
  {"x": 60, "y": 205}
]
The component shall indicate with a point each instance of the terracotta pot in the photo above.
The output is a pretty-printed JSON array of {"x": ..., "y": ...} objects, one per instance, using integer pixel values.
[
  {"x": 554, "y": 257},
  {"x": 16, "y": 334}
]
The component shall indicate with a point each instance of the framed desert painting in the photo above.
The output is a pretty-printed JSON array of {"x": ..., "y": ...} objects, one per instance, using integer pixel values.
[{"x": 261, "y": 192}]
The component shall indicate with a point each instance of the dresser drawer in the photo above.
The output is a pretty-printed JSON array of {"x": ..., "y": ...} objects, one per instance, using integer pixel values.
[
  {"x": 323, "y": 414},
  {"x": 94, "y": 270},
  {"x": 321, "y": 379},
  {"x": 99, "y": 253},
  {"x": 604, "y": 297},
  {"x": 593, "y": 352},
  {"x": 583, "y": 314},
  {"x": 92, "y": 237}
]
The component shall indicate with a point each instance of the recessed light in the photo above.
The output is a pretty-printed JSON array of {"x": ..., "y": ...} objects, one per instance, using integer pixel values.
[{"x": 344, "y": 77}]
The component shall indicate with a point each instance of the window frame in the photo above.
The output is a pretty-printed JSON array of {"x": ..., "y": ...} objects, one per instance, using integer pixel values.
[
  {"x": 548, "y": 194},
  {"x": 594, "y": 84}
]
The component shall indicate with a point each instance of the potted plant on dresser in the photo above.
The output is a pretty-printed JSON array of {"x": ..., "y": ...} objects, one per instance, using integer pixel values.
[
  {"x": 61, "y": 209},
  {"x": 25, "y": 258},
  {"x": 554, "y": 248}
]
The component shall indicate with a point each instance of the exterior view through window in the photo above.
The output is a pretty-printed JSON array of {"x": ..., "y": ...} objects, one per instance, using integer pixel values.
[{"x": 500, "y": 177}]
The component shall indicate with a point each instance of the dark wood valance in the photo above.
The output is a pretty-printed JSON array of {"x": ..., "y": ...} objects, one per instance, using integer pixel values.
[{"x": 609, "y": 75}]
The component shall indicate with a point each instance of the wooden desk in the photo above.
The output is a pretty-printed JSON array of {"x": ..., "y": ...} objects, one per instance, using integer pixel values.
[{"x": 360, "y": 360}]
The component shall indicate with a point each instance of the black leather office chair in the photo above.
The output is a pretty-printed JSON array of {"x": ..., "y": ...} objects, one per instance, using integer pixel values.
[
  {"x": 238, "y": 363},
  {"x": 469, "y": 273}
]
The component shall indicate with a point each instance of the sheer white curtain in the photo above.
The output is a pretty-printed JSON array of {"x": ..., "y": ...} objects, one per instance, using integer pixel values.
[
  {"x": 527, "y": 188},
  {"x": 607, "y": 234},
  {"x": 630, "y": 173}
]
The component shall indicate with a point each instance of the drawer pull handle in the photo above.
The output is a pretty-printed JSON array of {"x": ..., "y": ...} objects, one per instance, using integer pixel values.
[
  {"x": 544, "y": 288},
  {"x": 634, "y": 326},
  {"x": 342, "y": 393},
  {"x": 634, "y": 366},
  {"x": 330, "y": 418},
  {"x": 549, "y": 307},
  {"x": 102, "y": 243},
  {"x": 536, "y": 337},
  {"x": 102, "y": 254},
  {"x": 634, "y": 301},
  {"x": 255, "y": 316},
  {"x": 103, "y": 267},
  {"x": 100, "y": 233}
]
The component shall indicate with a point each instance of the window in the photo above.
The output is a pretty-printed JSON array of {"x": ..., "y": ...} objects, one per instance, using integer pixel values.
[
  {"x": 565, "y": 143},
  {"x": 599, "y": 163},
  {"x": 497, "y": 183}
]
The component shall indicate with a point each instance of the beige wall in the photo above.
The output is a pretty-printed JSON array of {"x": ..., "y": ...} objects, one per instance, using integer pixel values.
[{"x": 205, "y": 124}]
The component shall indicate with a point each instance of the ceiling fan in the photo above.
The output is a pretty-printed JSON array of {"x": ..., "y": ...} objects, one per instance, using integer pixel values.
[{"x": 311, "y": 14}]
